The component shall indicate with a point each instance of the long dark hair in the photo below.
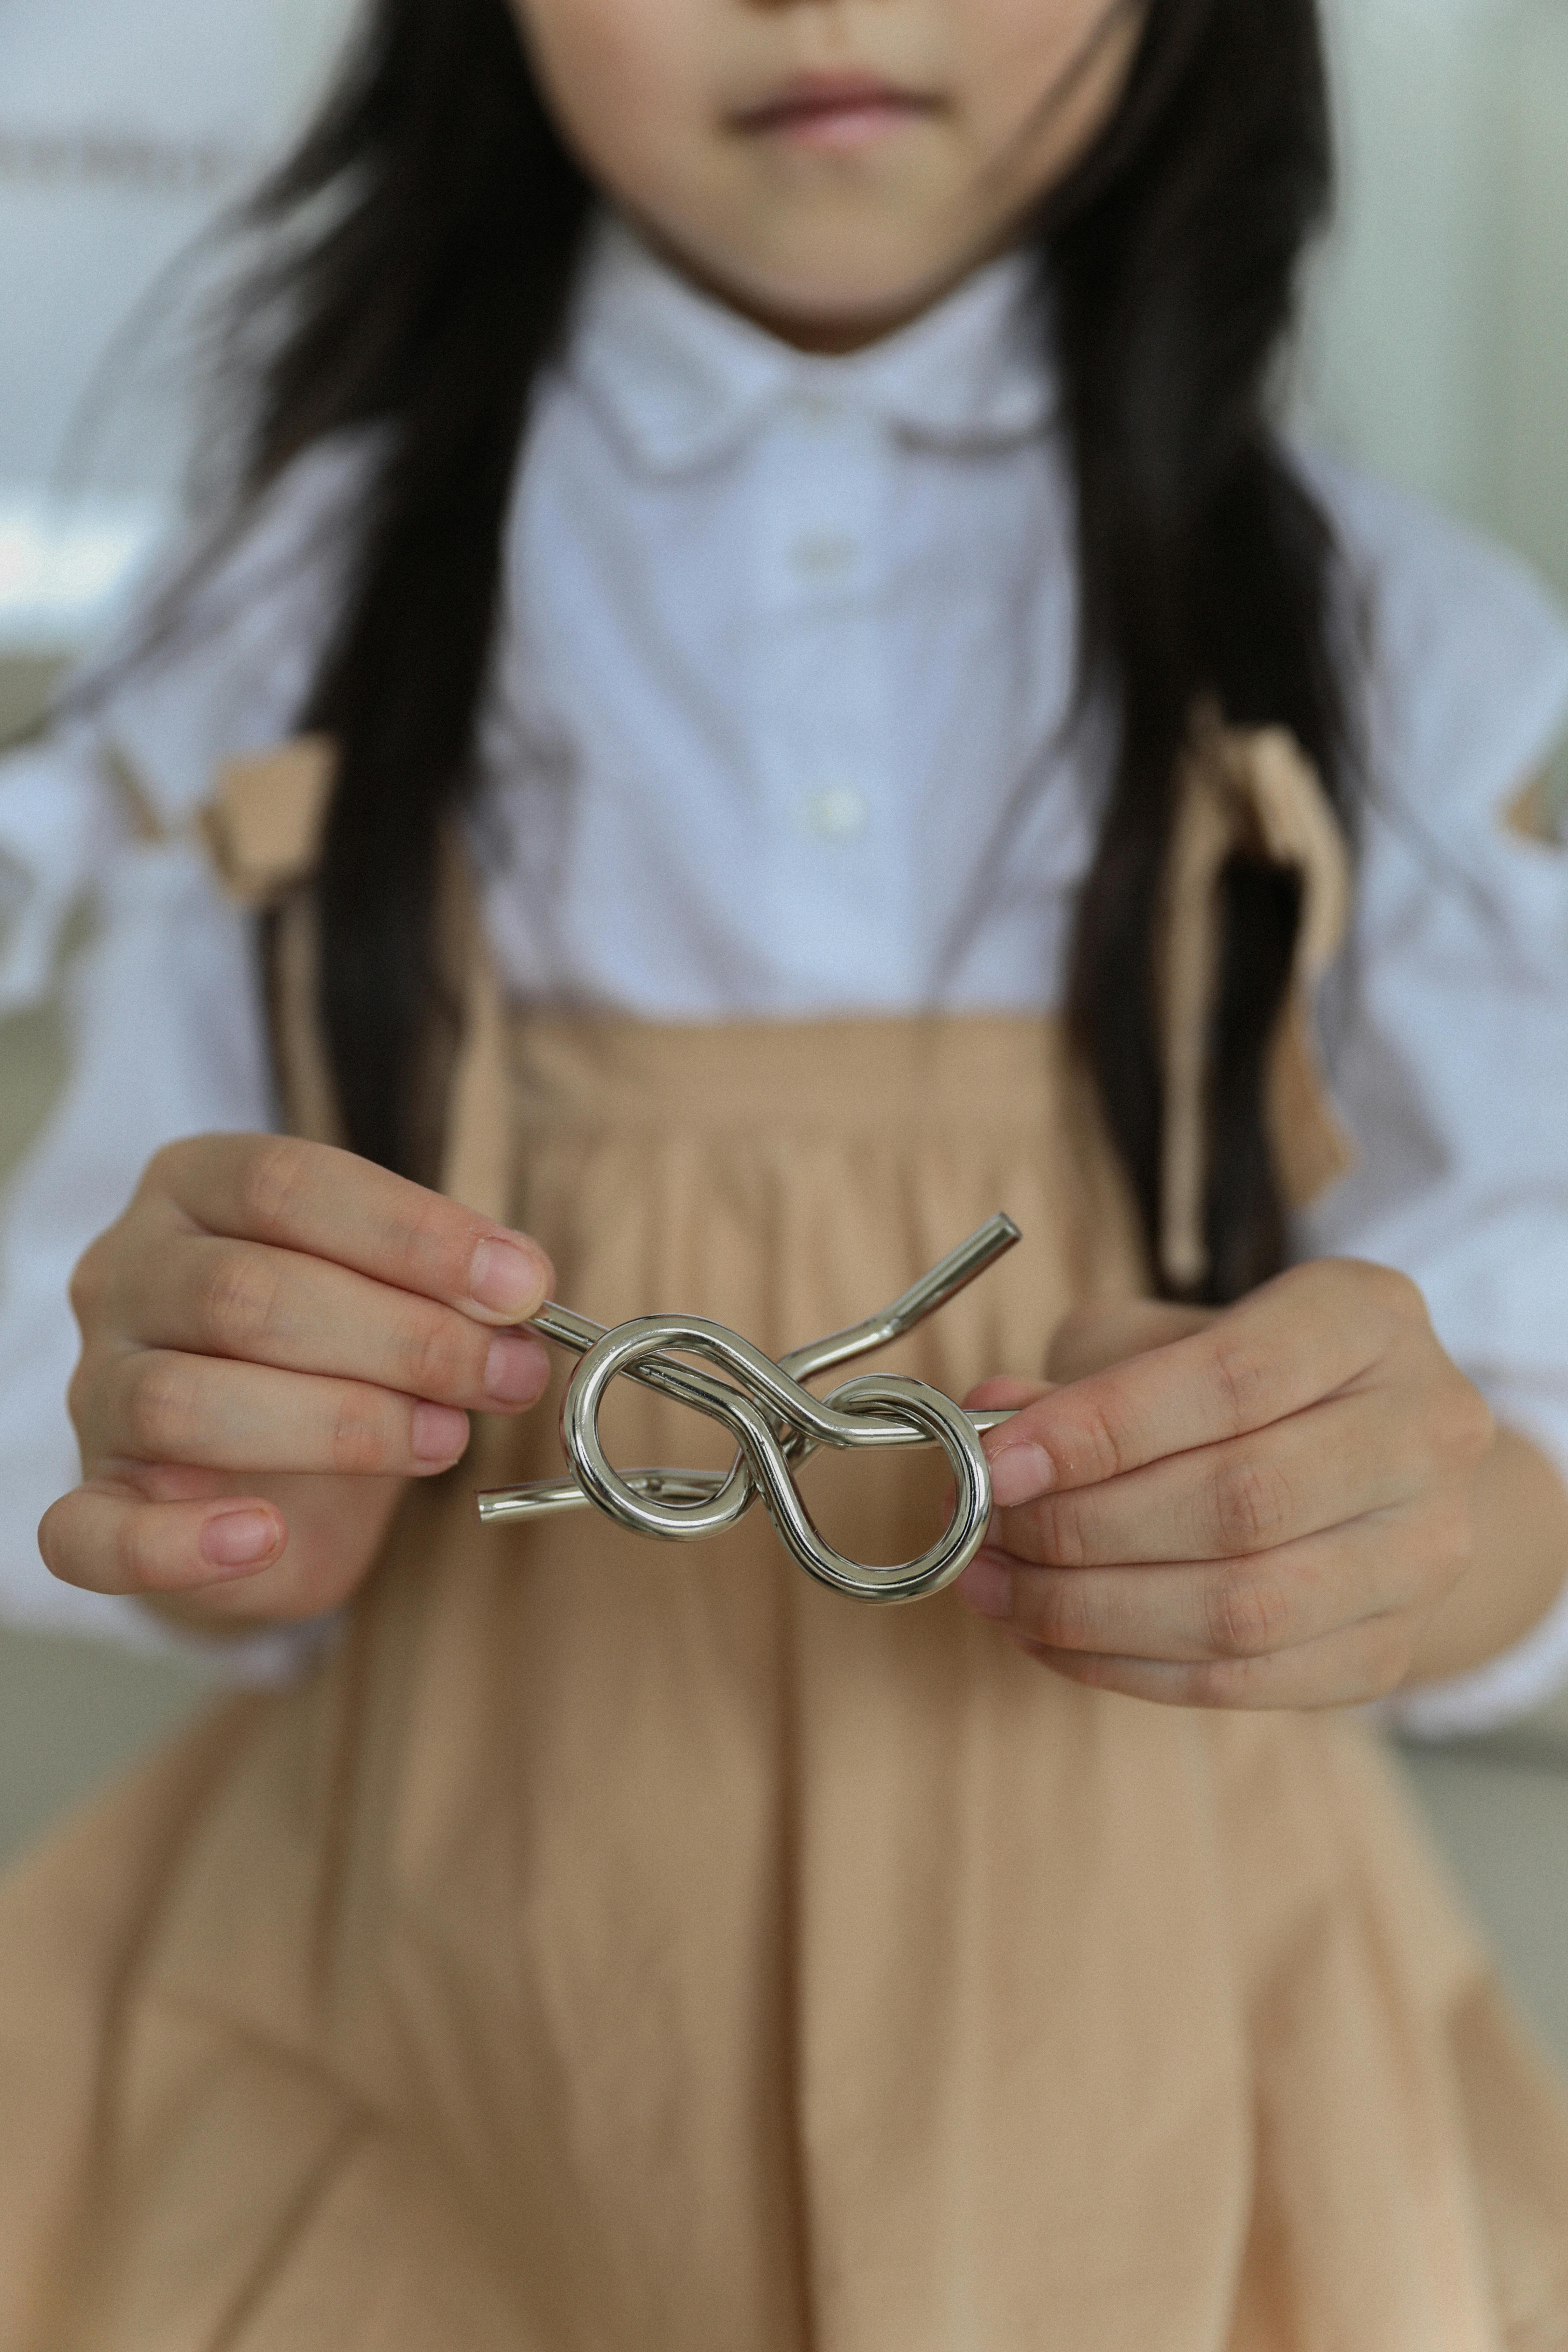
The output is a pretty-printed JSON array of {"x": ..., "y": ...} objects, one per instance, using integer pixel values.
[{"x": 428, "y": 231}]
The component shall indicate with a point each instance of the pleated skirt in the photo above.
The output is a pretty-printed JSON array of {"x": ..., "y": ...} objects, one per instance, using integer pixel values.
[{"x": 627, "y": 1948}]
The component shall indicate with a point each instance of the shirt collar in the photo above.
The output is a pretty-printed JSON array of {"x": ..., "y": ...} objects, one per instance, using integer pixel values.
[{"x": 683, "y": 379}]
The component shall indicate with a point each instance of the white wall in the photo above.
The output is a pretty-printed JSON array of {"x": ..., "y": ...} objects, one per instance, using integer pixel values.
[
  {"x": 1439, "y": 349},
  {"x": 124, "y": 126}
]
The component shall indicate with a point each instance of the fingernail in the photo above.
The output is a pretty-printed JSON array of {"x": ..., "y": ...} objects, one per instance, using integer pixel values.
[
  {"x": 507, "y": 1277},
  {"x": 1021, "y": 1474},
  {"x": 987, "y": 1587},
  {"x": 517, "y": 1371},
  {"x": 239, "y": 1539},
  {"x": 439, "y": 1433}
]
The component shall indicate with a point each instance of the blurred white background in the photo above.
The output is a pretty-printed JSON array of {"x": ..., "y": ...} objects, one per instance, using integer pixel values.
[
  {"x": 1436, "y": 349},
  {"x": 126, "y": 128},
  {"x": 1438, "y": 343}
]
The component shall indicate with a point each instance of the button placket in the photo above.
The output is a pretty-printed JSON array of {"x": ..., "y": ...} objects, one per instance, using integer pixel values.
[
  {"x": 823, "y": 557},
  {"x": 821, "y": 689},
  {"x": 835, "y": 812}
]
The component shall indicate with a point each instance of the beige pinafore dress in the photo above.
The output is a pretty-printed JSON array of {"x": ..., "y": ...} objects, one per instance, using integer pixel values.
[{"x": 621, "y": 1948}]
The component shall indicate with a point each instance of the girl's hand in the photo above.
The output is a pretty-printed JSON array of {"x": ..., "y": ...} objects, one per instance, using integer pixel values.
[
  {"x": 1258, "y": 1509},
  {"x": 275, "y": 1335}
]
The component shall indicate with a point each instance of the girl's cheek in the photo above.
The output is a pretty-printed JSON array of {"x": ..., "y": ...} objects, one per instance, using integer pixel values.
[
  {"x": 1048, "y": 81},
  {"x": 614, "y": 75}
]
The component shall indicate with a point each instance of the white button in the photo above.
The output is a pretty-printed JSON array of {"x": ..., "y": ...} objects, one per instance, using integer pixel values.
[
  {"x": 836, "y": 812},
  {"x": 816, "y": 408},
  {"x": 823, "y": 554}
]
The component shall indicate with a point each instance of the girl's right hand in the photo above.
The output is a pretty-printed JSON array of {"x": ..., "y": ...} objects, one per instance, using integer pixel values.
[{"x": 275, "y": 1335}]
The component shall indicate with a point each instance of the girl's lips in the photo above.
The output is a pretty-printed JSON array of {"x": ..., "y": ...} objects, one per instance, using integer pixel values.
[{"x": 836, "y": 111}]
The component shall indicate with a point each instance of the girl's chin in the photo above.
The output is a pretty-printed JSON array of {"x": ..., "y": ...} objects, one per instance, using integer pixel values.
[
  {"x": 830, "y": 307},
  {"x": 831, "y": 327}
]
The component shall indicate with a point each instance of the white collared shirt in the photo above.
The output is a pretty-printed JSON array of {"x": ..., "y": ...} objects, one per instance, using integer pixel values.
[
  {"x": 736, "y": 773},
  {"x": 782, "y": 727}
]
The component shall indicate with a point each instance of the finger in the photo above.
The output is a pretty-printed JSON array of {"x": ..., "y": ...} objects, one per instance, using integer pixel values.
[
  {"x": 1002, "y": 1393},
  {"x": 106, "y": 1540},
  {"x": 330, "y": 1203},
  {"x": 1239, "y": 1609},
  {"x": 277, "y": 1306},
  {"x": 1092, "y": 1338},
  {"x": 1320, "y": 1469},
  {"x": 1302, "y": 1336},
  {"x": 1350, "y": 1668},
  {"x": 156, "y": 1405}
]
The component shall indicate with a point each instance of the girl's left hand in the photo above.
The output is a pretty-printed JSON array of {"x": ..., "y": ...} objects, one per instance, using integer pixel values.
[{"x": 1261, "y": 1507}]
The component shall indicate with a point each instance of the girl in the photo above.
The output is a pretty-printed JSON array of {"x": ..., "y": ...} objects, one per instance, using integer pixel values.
[{"x": 887, "y": 751}]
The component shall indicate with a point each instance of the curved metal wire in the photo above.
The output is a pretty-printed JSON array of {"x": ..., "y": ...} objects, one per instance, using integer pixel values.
[{"x": 777, "y": 1423}]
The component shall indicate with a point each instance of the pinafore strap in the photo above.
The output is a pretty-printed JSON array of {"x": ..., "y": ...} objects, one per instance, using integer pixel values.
[
  {"x": 264, "y": 825},
  {"x": 1252, "y": 793}
]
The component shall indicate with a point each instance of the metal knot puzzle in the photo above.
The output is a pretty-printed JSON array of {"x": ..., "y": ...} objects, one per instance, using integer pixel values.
[{"x": 777, "y": 1424}]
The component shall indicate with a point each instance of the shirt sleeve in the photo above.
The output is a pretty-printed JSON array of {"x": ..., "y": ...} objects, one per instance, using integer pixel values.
[
  {"x": 165, "y": 1039},
  {"x": 164, "y": 1021},
  {"x": 1445, "y": 1031}
]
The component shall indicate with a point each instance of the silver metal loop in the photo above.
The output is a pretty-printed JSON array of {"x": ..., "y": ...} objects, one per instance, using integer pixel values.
[
  {"x": 766, "y": 1403},
  {"x": 777, "y": 1423}
]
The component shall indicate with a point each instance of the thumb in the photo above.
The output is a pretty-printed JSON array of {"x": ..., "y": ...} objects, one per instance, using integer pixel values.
[{"x": 1092, "y": 1338}]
